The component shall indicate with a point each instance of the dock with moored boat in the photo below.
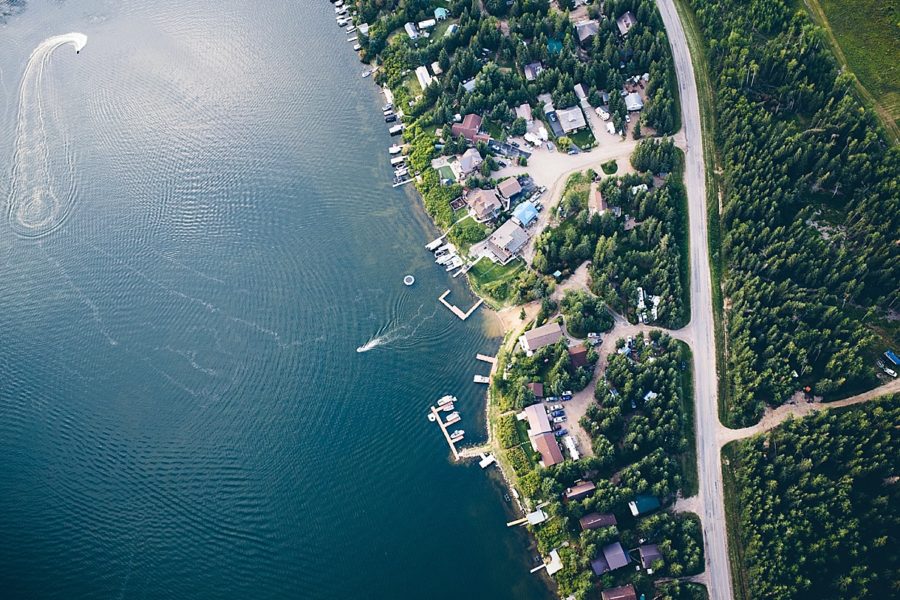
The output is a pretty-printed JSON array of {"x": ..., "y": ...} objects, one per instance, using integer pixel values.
[{"x": 435, "y": 415}]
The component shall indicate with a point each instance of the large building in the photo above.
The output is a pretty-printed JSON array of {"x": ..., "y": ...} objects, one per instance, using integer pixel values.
[
  {"x": 423, "y": 76},
  {"x": 506, "y": 242},
  {"x": 571, "y": 119},
  {"x": 537, "y": 338},
  {"x": 470, "y": 129},
  {"x": 469, "y": 162},
  {"x": 509, "y": 188},
  {"x": 545, "y": 444},
  {"x": 538, "y": 421},
  {"x": 484, "y": 204},
  {"x": 525, "y": 213}
]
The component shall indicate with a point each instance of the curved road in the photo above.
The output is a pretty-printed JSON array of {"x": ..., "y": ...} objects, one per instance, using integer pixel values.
[{"x": 701, "y": 326}]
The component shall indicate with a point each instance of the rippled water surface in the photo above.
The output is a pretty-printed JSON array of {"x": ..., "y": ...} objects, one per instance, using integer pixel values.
[{"x": 199, "y": 233}]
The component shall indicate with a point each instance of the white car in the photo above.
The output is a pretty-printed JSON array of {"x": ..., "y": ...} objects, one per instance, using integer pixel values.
[
  {"x": 559, "y": 419},
  {"x": 891, "y": 372},
  {"x": 556, "y": 407}
]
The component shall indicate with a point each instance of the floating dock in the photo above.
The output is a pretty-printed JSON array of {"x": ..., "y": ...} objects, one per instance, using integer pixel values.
[
  {"x": 481, "y": 379},
  {"x": 486, "y": 358},
  {"x": 456, "y": 310}
]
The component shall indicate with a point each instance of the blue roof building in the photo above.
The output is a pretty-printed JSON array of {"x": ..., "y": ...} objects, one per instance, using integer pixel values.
[
  {"x": 441, "y": 13},
  {"x": 526, "y": 213},
  {"x": 895, "y": 360}
]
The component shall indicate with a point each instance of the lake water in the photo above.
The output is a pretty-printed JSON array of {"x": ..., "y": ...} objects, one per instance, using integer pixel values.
[{"x": 198, "y": 232}]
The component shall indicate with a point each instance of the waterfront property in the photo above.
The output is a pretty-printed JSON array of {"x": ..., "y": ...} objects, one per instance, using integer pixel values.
[
  {"x": 483, "y": 204},
  {"x": 545, "y": 444},
  {"x": 507, "y": 241},
  {"x": 538, "y": 421},
  {"x": 470, "y": 128},
  {"x": 467, "y": 164},
  {"x": 537, "y": 338}
]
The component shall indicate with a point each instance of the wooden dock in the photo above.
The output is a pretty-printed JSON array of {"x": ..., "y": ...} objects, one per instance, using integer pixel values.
[
  {"x": 437, "y": 418},
  {"x": 481, "y": 379},
  {"x": 456, "y": 310},
  {"x": 487, "y": 359}
]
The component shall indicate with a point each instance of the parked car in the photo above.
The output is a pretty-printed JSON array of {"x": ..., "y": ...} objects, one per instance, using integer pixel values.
[
  {"x": 561, "y": 419},
  {"x": 567, "y": 395},
  {"x": 556, "y": 407},
  {"x": 538, "y": 206},
  {"x": 561, "y": 432},
  {"x": 891, "y": 372},
  {"x": 557, "y": 413},
  {"x": 551, "y": 399},
  {"x": 557, "y": 427}
]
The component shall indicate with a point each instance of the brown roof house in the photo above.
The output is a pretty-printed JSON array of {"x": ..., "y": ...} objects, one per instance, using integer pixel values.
[
  {"x": 597, "y": 520},
  {"x": 506, "y": 242},
  {"x": 508, "y": 188},
  {"x": 545, "y": 444},
  {"x": 537, "y": 388},
  {"x": 538, "y": 421},
  {"x": 469, "y": 129},
  {"x": 624, "y": 592},
  {"x": 611, "y": 557},
  {"x": 581, "y": 490},
  {"x": 537, "y": 338},
  {"x": 578, "y": 354},
  {"x": 484, "y": 204}
]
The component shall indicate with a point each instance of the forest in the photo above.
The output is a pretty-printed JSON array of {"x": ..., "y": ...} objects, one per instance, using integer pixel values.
[
  {"x": 646, "y": 247},
  {"x": 810, "y": 210},
  {"x": 818, "y": 505}
]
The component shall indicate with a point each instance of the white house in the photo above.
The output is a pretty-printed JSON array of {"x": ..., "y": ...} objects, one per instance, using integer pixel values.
[{"x": 411, "y": 31}]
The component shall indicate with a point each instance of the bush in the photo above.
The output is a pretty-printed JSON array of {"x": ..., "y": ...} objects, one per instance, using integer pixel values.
[
  {"x": 520, "y": 462},
  {"x": 610, "y": 167}
]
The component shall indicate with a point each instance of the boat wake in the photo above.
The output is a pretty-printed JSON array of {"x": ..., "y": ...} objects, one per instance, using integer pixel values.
[
  {"x": 41, "y": 192},
  {"x": 393, "y": 334}
]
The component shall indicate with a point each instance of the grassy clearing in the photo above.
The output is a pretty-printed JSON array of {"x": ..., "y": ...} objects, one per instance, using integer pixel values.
[
  {"x": 492, "y": 281},
  {"x": 584, "y": 139},
  {"x": 733, "y": 522},
  {"x": 688, "y": 458},
  {"x": 706, "y": 96},
  {"x": 865, "y": 38}
]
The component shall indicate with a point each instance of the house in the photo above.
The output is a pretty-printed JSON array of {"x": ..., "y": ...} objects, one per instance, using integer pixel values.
[
  {"x": 571, "y": 119},
  {"x": 538, "y": 421},
  {"x": 633, "y": 102},
  {"x": 624, "y": 592},
  {"x": 597, "y": 520},
  {"x": 441, "y": 14},
  {"x": 537, "y": 517},
  {"x": 587, "y": 29},
  {"x": 892, "y": 358},
  {"x": 363, "y": 29},
  {"x": 423, "y": 76},
  {"x": 643, "y": 504},
  {"x": 469, "y": 162},
  {"x": 611, "y": 557},
  {"x": 427, "y": 24},
  {"x": 537, "y": 389},
  {"x": 452, "y": 29},
  {"x": 555, "y": 565},
  {"x": 484, "y": 204},
  {"x": 578, "y": 355},
  {"x": 649, "y": 554},
  {"x": 469, "y": 129},
  {"x": 523, "y": 111},
  {"x": 532, "y": 70},
  {"x": 506, "y": 242},
  {"x": 545, "y": 444},
  {"x": 570, "y": 445},
  {"x": 547, "y": 101},
  {"x": 626, "y": 22},
  {"x": 525, "y": 213},
  {"x": 581, "y": 490},
  {"x": 509, "y": 188},
  {"x": 436, "y": 68},
  {"x": 411, "y": 31},
  {"x": 469, "y": 85},
  {"x": 539, "y": 337}
]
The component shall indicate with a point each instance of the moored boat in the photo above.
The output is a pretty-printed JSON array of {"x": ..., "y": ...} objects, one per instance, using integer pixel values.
[{"x": 446, "y": 400}]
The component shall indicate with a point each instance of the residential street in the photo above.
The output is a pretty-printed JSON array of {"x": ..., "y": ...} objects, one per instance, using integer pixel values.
[{"x": 701, "y": 325}]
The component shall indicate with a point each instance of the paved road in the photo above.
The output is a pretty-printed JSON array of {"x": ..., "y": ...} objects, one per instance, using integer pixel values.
[{"x": 706, "y": 390}]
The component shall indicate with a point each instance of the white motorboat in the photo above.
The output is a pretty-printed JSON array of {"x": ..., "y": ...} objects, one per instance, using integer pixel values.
[{"x": 446, "y": 400}]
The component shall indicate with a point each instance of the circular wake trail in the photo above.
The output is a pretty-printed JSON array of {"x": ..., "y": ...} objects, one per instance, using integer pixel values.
[{"x": 42, "y": 190}]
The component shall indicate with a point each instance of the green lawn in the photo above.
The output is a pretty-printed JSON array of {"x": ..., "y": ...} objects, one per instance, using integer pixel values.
[
  {"x": 865, "y": 36},
  {"x": 584, "y": 139},
  {"x": 491, "y": 281},
  {"x": 446, "y": 172}
]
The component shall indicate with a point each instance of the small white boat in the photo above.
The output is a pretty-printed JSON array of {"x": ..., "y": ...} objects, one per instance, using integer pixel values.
[
  {"x": 396, "y": 130},
  {"x": 456, "y": 263},
  {"x": 397, "y": 160},
  {"x": 395, "y": 149},
  {"x": 357, "y": 47},
  {"x": 387, "y": 107},
  {"x": 446, "y": 400},
  {"x": 367, "y": 72},
  {"x": 352, "y": 39},
  {"x": 443, "y": 260},
  {"x": 351, "y": 28},
  {"x": 457, "y": 435},
  {"x": 451, "y": 418},
  {"x": 447, "y": 407},
  {"x": 401, "y": 171}
]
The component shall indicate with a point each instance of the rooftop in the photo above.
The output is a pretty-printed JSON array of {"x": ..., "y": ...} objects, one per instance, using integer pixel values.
[
  {"x": 538, "y": 421},
  {"x": 571, "y": 118},
  {"x": 611, "y": 557},
  {"x": 525, "y": 213},
  {"x": 509, "y": 187},
  {"x": 649, "y": 553},
  {"x": 507, "y": 240},
  {"x": 580, "y": 490},
  {"x": 545, "y": 335},
  {"x": 587, "y": 29},
  {"x": 626, "y": 22},
  {"x": 597, "y": 520},
  {"x": 624, "y": 592},
  {"x": 545, "y": 444}
]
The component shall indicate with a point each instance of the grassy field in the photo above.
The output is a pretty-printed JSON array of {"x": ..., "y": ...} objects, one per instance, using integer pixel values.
[
  {"x": 490, "y": 280},
  {"x": 865, "y": 37}
]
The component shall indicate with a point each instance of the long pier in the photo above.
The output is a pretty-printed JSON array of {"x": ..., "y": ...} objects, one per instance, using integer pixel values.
[
  {"x": 450, "y": 442},
  {"x": 456, "y": 310}
]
